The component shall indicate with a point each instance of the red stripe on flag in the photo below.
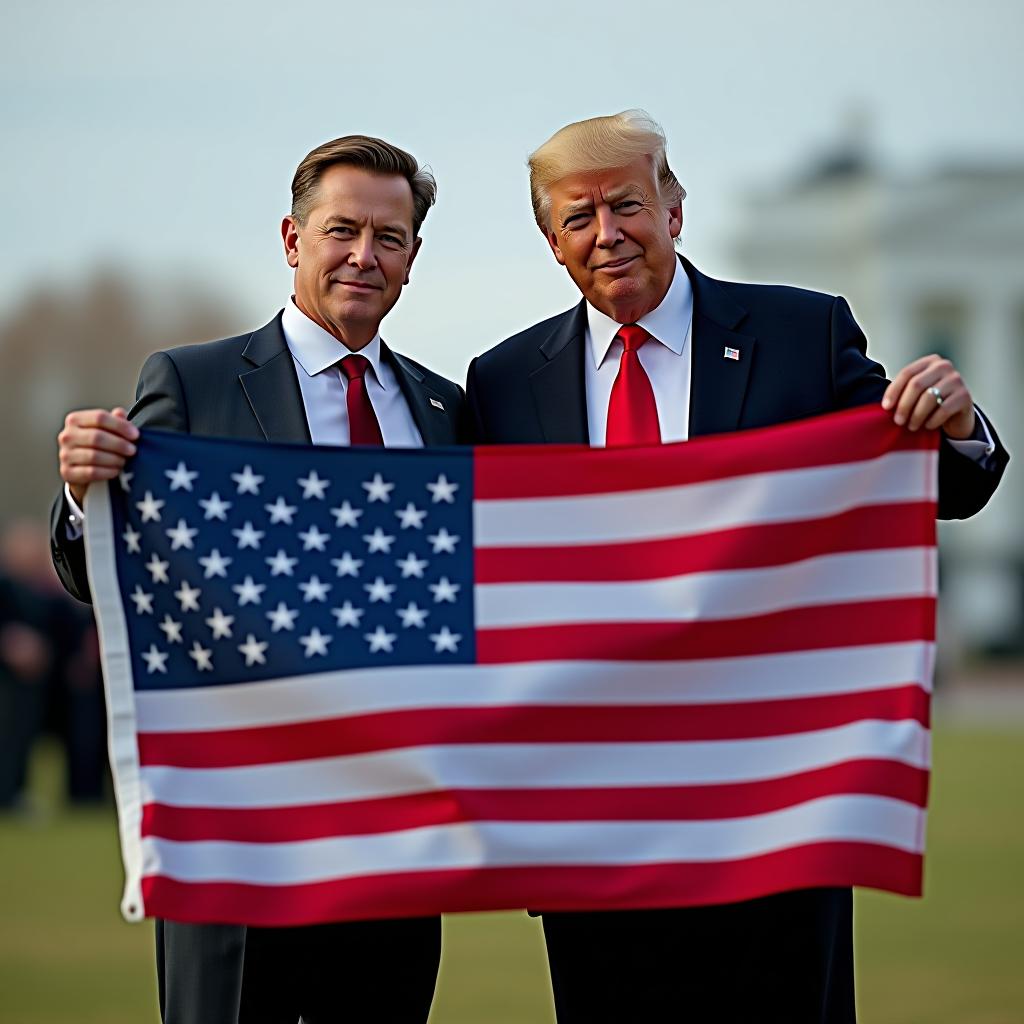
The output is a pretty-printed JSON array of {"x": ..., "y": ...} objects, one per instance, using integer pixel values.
[
  {"x": 527, "y": 723},
  {"x": 875, "y": 527},
  {"x": 818, "y": 627},
  {"x": 527, "y": 471},
  {"x": 871, "y": 777},
  {"x": 571, "y": 887}
]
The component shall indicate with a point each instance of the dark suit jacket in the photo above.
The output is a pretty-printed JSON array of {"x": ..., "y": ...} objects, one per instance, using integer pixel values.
[
  {"x": 243, "y": 387},
  {"x": 801, "y": 354}
]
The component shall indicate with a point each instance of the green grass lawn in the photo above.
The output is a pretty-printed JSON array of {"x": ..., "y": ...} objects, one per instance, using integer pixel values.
[{"x": 954, "y": 958}]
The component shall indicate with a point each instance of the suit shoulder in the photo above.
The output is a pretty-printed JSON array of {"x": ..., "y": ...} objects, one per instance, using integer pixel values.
[
  {"x": 524, "y": 343},
  {"x": 758, "y": 297},
  {"x": 203, "y": 355},
  {"x": 434, "y": 380}
]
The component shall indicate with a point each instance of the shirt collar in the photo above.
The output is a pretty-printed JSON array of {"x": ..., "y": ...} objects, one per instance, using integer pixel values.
[
  {"x": 315, "y": 350},
  {"x": 668, "y": 322}
]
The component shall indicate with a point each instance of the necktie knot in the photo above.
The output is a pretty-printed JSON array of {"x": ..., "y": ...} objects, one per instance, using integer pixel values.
[
  {"x": 633, "y": 336},
  {"x": 354, "y": 366}
]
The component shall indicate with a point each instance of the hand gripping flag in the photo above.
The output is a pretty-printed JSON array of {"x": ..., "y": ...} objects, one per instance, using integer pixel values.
[{"x": 355, "y": 683}]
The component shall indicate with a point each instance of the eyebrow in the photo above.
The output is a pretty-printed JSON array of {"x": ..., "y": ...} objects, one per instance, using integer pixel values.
[{"x": 588, "y": 204}]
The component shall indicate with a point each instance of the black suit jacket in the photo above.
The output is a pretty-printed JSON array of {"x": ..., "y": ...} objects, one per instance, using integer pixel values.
[
  {"x": 801, "y": 353},
  {"x": 246, "y": 388}
]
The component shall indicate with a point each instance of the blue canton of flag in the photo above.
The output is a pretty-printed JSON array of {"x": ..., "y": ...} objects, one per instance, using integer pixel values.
[{"x": 243, "y": 562}]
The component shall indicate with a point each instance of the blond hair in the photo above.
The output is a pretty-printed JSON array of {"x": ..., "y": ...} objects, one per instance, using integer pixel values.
[{"x": 597, "y": 144}]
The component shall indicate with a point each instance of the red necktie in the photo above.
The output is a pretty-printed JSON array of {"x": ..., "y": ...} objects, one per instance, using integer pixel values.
[
  {"x": 363, "y": 427},
  {"x": 632, "y": 412}
]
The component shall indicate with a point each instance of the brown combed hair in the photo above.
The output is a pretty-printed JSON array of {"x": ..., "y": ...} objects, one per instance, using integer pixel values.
[
  {"x": 597, "y": 144},
  {"x": 374, "y": 155}
]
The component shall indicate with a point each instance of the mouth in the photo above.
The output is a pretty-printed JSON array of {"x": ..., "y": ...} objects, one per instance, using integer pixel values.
[
  {"x": 358, "y": 286},
  {"x": 613, "y": 265}
]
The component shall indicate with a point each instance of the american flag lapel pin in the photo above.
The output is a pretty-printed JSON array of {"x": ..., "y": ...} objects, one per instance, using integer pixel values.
[
  {"x": 732, "y": 353},
  {"x": 436, "y": 404}
]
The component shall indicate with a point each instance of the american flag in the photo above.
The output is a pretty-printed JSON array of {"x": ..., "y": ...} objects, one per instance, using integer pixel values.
[{"x": 356, "y": 683}]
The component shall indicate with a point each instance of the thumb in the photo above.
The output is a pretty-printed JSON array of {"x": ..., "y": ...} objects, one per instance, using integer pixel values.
[{"x": 120, "y": 413}]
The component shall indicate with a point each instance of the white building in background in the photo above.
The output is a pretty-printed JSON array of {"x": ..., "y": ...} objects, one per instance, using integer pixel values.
[{"x": 929, "y": 264}]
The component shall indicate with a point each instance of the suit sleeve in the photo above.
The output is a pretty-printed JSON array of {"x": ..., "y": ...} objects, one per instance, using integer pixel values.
[
  {"x": 965, "y": 484},
  {"x": 159, "y": 402}
]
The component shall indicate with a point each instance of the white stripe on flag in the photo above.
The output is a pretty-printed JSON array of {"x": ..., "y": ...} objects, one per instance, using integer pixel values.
[
  {"x": 366, "y": 691},
  {"x": 533, "y": 765},
  {"x": 867, "y": 819},
  {"x": 830, "y": 579},
  {"x": 791, "y": 495}
]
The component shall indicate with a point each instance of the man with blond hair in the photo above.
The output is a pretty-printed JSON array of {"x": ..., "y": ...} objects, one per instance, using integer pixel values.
[
  {"x": 318, "y": 373},
  {"x": 656, "y": 351}
]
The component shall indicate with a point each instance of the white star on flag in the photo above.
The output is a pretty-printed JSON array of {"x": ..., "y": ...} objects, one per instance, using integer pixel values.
[
  {"x": 131, "y": 538},
  {"x": 158, "y": 569},
  {"x": 220, "y": 624},
  {"x": 253, "y": 650},
  {"x": 171, "y": 629},
  {"x": 412, "y": 566},
  {"x": 181, "y": 477},
  {"x": 149, "y": 508},
  {"x": 444, "y": 590},
  {"x": 443, "y": 542},
  {"x": 248, "y": 536},
  {"x": 281, "y": 564},
  {"x": 315, "y": 642},
  {"x": 378, "y": 489},
  {"x": 380, "y": 640},
  {"x": 281, "y": 512},
  {"x": 181, "y": 535},
  {"x": 313, "y": 486},
  {"x": 249, "y": 591},
  {"x": 201, "y": 656},
  {"x": 379, "y": 590},
  {"x": 215, "y": 507},
  {"x": 314, "y": 590},
  {"x": 125, "y": 480},
  {"x": 214, "y": 564},
  {"x": 378, "y": 541},
  {"x": 143, "y": 601},
  {"x": 188, "y": 596},
  {"x": 445, "y": 640},
  {"x": 411, "y": 517},
  {"x": 443, "y": 490},
  {"x": 248, "y": 482},
  {"x": 281, "y": 617},
  {"x": 156, "y": 661},
  {"x": 412, "y": 615},
  {"x": 313, "y": 539},
  {"x": 347, "y": 614},
  {"x": 346, "y": 515},
  {"x": 347, "y": 565}
]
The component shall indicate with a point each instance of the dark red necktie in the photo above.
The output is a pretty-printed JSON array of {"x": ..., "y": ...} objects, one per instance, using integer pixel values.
[
  {"x": 632, "y": 411},
  {"x": 363, "y": 427}
]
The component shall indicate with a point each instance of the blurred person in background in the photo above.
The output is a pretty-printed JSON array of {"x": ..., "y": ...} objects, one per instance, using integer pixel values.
[
  {"x": 318, "y": 373},
  {"x": 656, "y": 351}
]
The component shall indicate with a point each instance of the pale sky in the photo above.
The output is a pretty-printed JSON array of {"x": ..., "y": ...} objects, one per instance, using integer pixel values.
[{"x": 161, "y": 140}]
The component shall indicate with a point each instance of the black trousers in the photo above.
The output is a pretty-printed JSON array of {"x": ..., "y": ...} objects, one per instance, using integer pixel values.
[
  {"x": 353, "y": 972},
  {"x": 786, "y": 958}
]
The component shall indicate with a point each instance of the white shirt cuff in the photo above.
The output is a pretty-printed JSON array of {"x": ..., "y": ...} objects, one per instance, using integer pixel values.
[
  {"x": 76, "y": 518},
  {"x": 976, "y": 450}
]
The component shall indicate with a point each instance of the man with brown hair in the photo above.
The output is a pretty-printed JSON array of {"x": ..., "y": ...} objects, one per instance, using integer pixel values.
[
  {"x": 318, "y": 373},
  {"x": 657, "y": 351}
]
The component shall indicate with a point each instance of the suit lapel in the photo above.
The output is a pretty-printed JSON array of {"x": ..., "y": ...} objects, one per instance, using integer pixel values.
[
  {"x": 559, "y": 393},
  {"x": 272, "y": 387},
  {"x": 432, "y": 417},
  {"x": 722, "y": 357}
]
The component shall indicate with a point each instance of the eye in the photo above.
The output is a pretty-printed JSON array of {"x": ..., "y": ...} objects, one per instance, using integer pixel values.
[
  {"x": 342, "y": 231},
  {"x": 628, "y": 205},
  {"x": 575, "y": 220},
  {"x": 392, "y": 240}
]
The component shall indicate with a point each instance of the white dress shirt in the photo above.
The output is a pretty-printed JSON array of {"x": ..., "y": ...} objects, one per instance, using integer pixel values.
[
  {"x": 324, "y": 387},
  {"x": 665, "y": 356}
]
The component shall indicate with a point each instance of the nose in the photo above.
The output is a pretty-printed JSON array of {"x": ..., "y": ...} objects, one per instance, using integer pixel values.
[
  {"x": 361, "y": 254},
  {"x": 607, "y": 227}
]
